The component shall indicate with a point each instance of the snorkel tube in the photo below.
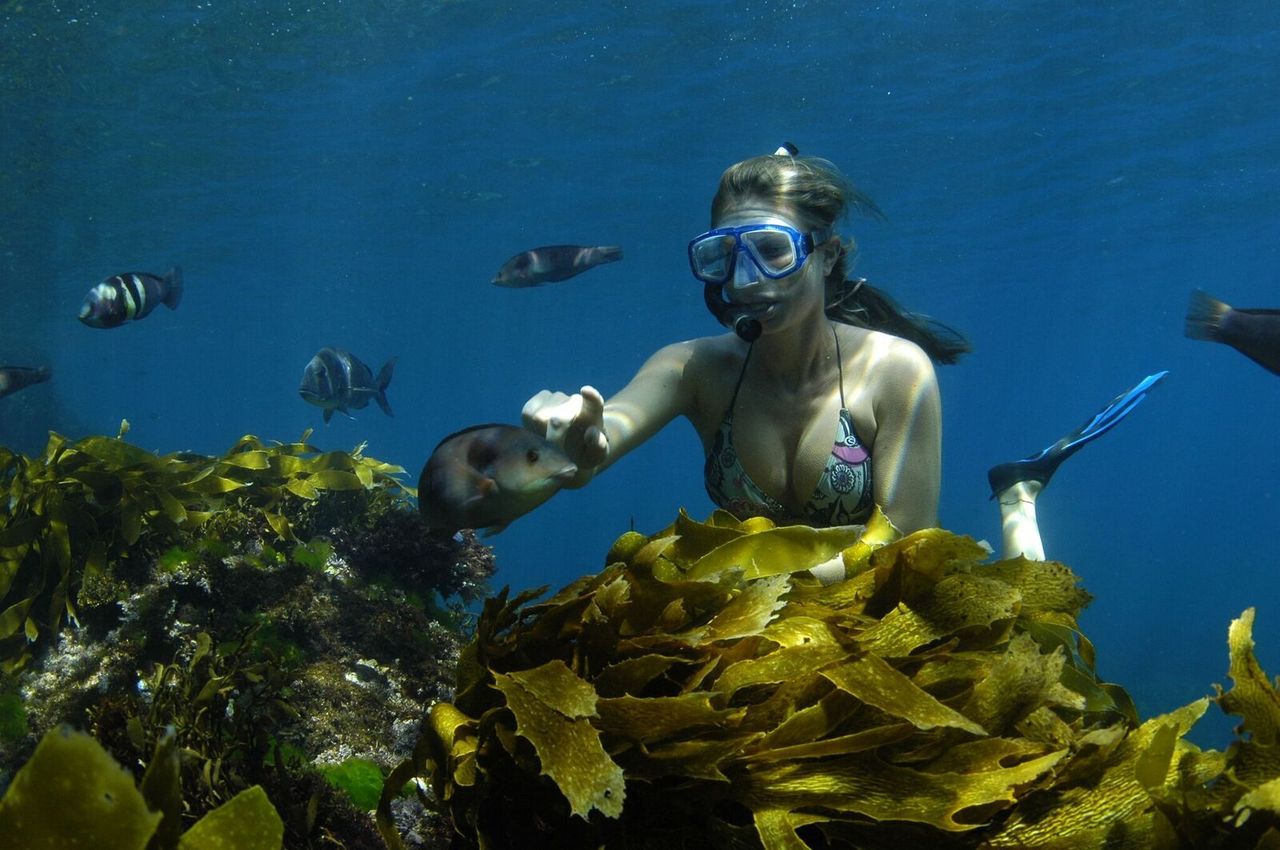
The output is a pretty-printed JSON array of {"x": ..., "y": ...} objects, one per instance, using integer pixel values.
[{"x": 745, "y": 326}]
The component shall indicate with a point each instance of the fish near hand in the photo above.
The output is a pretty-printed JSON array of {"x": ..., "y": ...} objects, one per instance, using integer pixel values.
[{"x": 487, "y": 476}]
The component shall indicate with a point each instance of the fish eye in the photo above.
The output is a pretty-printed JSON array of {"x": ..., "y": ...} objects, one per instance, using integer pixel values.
[{"x": 531, "y": 455}]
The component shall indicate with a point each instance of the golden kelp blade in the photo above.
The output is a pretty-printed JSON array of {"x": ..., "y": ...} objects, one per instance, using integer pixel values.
[
  {"x": 1252, "y": 695},
  {"x": 72, "y": 789},
  {"x": 863, "y": 784},
  {"x": 1094, "y": 814},
  {"x": 551, "y": 706}
]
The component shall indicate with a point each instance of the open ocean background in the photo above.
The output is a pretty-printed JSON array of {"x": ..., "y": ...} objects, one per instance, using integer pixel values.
[{"x": 1057, "y": 178}]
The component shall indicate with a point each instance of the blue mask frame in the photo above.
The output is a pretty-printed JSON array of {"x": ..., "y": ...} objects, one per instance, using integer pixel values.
[{"x": 803, "y": 245}]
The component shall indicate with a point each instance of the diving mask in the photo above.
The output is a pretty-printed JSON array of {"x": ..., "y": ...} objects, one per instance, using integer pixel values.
[{"x": 775, "y": 249}]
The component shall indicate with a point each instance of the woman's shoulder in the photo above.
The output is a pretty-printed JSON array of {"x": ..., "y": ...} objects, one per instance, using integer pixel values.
[
  {"x": 891, "y": 358},
  {"x": 706, "y": 352}
]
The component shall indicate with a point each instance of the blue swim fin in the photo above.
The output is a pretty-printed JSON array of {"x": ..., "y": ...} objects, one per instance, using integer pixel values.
[{"x": 1041, "y": 466}]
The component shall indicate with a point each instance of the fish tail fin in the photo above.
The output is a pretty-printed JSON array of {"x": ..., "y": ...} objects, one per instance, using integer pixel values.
[
  {"x": 1204, "y": 316},
  {"x": 384, "y": 378},
  {"x": 609, "y": 253},
  {"x": 328, "y": 414},
  {"x": 43, "y": 374},
  {"x": 173, "y": 287}
]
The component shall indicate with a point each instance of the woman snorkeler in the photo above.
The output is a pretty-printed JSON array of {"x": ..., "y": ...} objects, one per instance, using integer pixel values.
[{"x": 813, "y": 353}]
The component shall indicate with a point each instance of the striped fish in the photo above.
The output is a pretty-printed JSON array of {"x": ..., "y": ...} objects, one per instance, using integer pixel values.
[
  {"x": 338, "y": 380},
  {"x": 130, "y": 296}
]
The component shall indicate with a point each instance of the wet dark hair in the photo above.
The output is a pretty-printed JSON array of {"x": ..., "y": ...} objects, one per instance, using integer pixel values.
[{"x": 816, "y": 190}]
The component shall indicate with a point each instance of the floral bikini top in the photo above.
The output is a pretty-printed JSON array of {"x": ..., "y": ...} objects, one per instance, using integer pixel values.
[{"x": 843, "y": 495}]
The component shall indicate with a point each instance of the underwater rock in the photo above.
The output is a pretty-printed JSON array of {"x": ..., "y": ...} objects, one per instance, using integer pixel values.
[{"x": 282, "y": 608}]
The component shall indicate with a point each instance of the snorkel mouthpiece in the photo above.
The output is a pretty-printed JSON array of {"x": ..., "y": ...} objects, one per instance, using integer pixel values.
[{"x": 736, "y": 319}]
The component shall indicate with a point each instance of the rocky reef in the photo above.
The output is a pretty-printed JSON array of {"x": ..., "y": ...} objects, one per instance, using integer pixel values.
[{"x": 280, "y": 615}]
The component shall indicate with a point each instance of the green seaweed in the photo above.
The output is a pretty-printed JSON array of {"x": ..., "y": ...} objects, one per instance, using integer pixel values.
[
  {"x": 174, "y": 559},
  {"x": 314, "y": 554},
  {"x": 13, "y": 714},
  {"x": 360, "y": 779}
]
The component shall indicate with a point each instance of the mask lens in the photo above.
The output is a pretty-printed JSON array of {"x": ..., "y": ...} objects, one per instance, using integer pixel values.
[
  {"x": 773, "y": 250},
  {"x": 713, "y": 258}
]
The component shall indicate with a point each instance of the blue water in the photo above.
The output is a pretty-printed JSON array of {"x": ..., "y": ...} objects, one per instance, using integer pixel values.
[{"x": 1056, "y": 179}]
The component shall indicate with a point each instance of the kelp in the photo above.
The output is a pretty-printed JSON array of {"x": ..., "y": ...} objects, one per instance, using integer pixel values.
[
  {"x": 83, "y": 506},
  {"x": 705, "y": 690}
]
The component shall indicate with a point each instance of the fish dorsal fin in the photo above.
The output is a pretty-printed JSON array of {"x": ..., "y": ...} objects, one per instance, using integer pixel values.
[{"x": 474, "y": 428}]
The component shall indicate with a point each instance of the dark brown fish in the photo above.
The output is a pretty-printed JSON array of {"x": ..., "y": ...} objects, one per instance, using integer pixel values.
[
  {"x": 1254, "y": 332},
  {"x": 487, "y": 476},
  {"x": 14, "y": 378},
  {"x": 551, "y": 263}
]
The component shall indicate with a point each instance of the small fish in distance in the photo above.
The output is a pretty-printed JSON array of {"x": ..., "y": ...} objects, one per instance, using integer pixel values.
[
  {"x": 487, "y": 476},
  {"x": 337, "y": 380},
  {"x": 130, "y": 296},
  {"x": 551, "y": 263},
  {"x": 1254, "y": 332},
  {"x": 14, "y": 378}
]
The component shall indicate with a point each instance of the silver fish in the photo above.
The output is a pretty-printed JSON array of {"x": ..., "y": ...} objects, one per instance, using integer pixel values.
[
  {"x": 553, "y": 262},
  {"x": 130, "y": 296},
  {"x": 14, "y": 378},
  {"x": 337, "y": 380},
  {"x": 1254, "y": 332},
  {"x": 487, "y": 476}
]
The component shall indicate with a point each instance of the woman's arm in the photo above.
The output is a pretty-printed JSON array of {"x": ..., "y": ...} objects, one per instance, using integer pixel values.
[
  {"x": 907, "y": 466},
  {"x": 595, "y": 433}
]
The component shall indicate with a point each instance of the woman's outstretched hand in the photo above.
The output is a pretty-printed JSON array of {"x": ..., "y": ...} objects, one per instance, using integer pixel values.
[{"x": 575, "y": 423}]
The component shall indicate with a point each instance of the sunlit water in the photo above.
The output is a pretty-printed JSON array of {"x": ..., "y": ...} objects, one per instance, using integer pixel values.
[{"x": 1057, "y": 179}]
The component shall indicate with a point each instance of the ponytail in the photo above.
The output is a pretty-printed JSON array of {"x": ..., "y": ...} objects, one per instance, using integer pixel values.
[{"x": 856, "y": 302}]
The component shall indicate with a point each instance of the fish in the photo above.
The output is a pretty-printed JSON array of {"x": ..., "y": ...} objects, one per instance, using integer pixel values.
[
  {"x": 1254, "y": 332},
  {"x": 14, "y": 378},
  {"x": 487, "y": 476},
  {"x": 552, "y": 263},
  {"x": 130, "y": 296},
  {"x": 337, "y": 380}
]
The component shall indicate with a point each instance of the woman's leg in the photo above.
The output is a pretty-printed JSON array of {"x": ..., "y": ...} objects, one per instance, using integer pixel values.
[{"x": 1021, "y": 532}]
